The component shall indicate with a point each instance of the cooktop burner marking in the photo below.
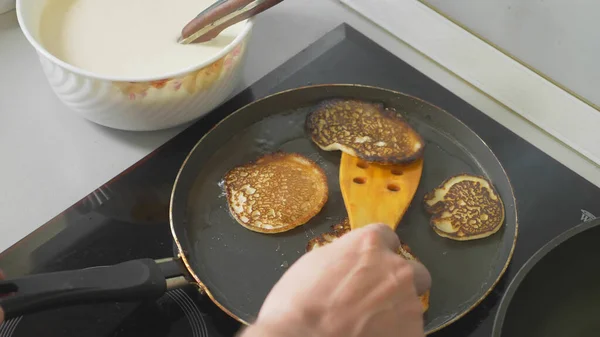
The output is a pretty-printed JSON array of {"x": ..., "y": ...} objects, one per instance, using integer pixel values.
[
  {"x": 8, "y": 327},
  {"x": 587, "y": 216},
  {"x": 191, "y": 312}
]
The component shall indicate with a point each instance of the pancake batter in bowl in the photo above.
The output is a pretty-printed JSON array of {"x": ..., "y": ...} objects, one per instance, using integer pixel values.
[{"x": 127, "y": 38}]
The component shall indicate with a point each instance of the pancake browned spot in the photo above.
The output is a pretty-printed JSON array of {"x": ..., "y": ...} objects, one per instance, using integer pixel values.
[
  {"x": 276, "y": 193},
  {"x": 465, "y": 207},
  {"x": 365, "y": 130},
  {"x": 337, "y": 231},
  {"x": 342, "y": 228}
]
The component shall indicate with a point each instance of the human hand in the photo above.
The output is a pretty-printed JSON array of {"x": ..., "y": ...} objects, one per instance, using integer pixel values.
[{"x": 356, "y": 286}]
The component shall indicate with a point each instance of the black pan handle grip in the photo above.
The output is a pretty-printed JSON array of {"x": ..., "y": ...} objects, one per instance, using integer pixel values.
[{"x": 127, "y": 281}]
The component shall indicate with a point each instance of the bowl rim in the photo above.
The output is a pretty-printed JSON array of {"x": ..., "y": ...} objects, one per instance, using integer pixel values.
[{"x": 169, "y": 75}]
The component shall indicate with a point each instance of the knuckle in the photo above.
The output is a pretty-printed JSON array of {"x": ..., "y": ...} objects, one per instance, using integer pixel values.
[
  {"x": 370, "y": 239},
  {"x": 404, "y": 272}
]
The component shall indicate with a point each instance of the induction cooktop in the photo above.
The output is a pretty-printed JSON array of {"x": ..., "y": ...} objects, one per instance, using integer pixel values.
[{"x": 127, "y": 218}]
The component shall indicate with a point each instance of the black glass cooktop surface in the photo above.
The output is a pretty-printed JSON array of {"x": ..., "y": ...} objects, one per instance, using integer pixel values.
[{"x": 127, "y": 218}]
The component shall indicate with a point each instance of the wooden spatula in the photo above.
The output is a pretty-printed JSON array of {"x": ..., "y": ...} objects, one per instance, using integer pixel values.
[{"x": 375, "y": 193}]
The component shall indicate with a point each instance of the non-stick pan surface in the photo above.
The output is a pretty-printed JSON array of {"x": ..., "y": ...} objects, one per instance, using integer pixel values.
[
  {"x": 557, "y": 292},
  {"x": 238, "y": 267}
]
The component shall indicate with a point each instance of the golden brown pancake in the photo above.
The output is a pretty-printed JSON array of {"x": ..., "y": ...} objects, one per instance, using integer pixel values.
[
  {"x": 364, "y": 130},
  {"x": 465, "y": 207},
  {"x": 342, "y": 228},
  {"x": 337, "y": 231},
  {"x": 276, "y": 193}
]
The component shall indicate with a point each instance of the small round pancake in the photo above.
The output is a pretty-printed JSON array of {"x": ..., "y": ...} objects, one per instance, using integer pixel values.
[
  {"x": 465, "y": 207},
  {"x": 276, "y": 193},
  {"x": 365, "y": 130},
  {"x": 326, "y": 238}
]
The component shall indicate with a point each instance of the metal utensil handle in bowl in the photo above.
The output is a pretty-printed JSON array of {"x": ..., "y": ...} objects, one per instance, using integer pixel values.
[
  {"x": 222, "y": 14},
  {"x": 128, "y": 281}
]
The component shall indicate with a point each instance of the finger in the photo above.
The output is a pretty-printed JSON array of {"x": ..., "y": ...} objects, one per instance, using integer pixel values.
[
  {"x": 422, "y": 278},
  {"x": 389, "y": 238},
  {"x": 371, "y": 236}
]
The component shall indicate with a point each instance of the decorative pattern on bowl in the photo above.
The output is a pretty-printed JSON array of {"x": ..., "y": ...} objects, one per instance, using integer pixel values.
[
  {"x": 145, "y": 106},
  {"x": 201, "y": 79}
]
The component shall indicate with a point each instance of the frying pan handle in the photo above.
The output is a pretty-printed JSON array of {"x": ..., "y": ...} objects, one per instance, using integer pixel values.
[{"x": 127, "y": 281}]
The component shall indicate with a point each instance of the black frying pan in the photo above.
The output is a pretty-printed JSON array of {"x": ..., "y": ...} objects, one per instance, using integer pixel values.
[
  {"x": 557, "y": 292},
  {"x": 237, "y": 267}
]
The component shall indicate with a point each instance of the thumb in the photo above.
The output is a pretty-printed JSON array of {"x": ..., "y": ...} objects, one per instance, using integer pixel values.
[{"x": 422, "y": 278}]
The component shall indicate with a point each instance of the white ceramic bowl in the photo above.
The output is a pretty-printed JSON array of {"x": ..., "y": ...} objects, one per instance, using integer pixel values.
[
  {"x": 6, "y": 6},
  {"x": 159, "y": 102}
]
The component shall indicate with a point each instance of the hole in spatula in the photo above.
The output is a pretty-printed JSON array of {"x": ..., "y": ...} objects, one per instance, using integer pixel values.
[
  {"x": 359, "y": 180},
  {"x": 393, "y": 188},
  {"x": 362, "y": 165},
  {"x": 397, "y": 172}
]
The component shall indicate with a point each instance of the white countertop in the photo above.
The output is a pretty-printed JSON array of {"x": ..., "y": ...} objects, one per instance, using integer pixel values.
[
  {"x": 51, "y": 157},
  {"x": 556, "y": 37}
]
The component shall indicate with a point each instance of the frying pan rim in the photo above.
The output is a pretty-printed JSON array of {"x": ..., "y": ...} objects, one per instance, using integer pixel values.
[
  {"x": 176, "y": 185},
  {"x": 529, "y": 265}
]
